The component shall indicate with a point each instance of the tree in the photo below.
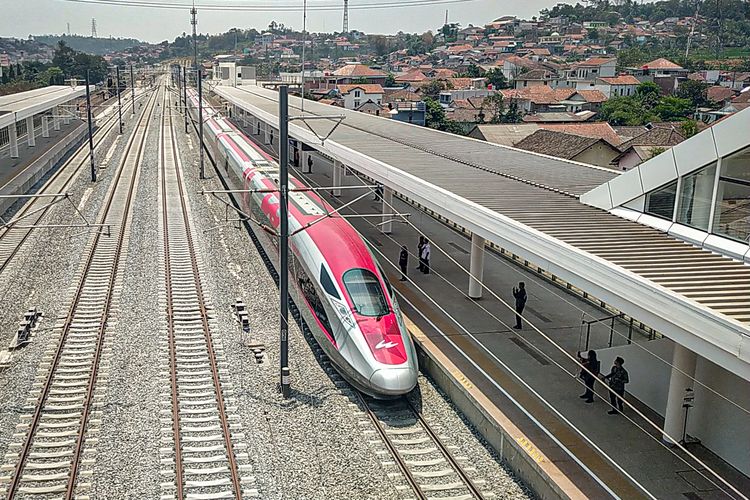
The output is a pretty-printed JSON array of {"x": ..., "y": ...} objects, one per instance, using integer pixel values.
[
  {"x": 390, "y": 80},
  {"x": 432, "y": 90},
  {"x": 434, "y": 114},
  {"x": 671, "y": 108},
  {"x": 495, "y": 105},
  {"x": 689, "y": 128},
  {"x": 496, "y": 78},
  {"x": 626, "y": 111},
  {"x": 473, "y": 71},
  {"x": 593, "y": 34},
  {"x": 513, "y": 115},
  {"x": 695, "y": 91},
  {"x": 648, "y": 94}
]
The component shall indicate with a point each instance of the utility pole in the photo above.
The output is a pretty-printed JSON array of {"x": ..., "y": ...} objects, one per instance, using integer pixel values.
[
  {"x": 91, "y": 129},
  {"x": 194, "y": 22},
  {"x": 346, "y": 16},
  {"x": 184, "y": 96},
  {"x": 200, "y": 119},
  {"x": 119, "y": 100},
  {"x": 284, "y": 239},
  {"x": 132, "y": 89}
]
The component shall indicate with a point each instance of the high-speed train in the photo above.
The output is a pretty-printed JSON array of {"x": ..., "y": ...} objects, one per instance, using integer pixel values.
[{"x": 339, "y": 286}]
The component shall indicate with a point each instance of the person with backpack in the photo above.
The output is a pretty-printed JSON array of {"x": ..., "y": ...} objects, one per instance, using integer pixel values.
[
  {"x": 589, "y": 374},
  {"x": 617, "y": 378}
]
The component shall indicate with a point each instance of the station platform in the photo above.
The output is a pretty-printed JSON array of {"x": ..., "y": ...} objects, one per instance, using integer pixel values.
[{"x": 476, "y": 336}]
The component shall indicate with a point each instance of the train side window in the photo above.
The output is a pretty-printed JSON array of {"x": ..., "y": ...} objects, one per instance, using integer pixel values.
[
  {"x": 311, "y": 296},
  {"x": 385, "y": 280},
  {"x": 327, "y": 283}
]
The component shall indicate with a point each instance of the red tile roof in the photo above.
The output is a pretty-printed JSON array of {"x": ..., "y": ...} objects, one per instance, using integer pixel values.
[
  {"x": 368, "y": 88},
  {"x": 662, "y": 63},
  {"x": 411, "y": 76},
  {"x": 358, "y": 70},
  {"x": 594, "y": 96},
  {"x": 594, "y": 61},
  {"x": 719, "y": 94},
  {"x": 621, "y": 80}
]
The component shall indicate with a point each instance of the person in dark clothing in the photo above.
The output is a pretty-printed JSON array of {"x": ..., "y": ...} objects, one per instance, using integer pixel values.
[
  {"x": 617, "y": 378},
  {"x": 589, "y": 374},
  {"x": 378, "y": 191},
  {"x": 520, "y": 295},
  {"x": 296, "y": 157},
  {"x": 426, "y": 257},
  {"x": 309, "y": 163},
  {"x": 403, "y": 261},
  {"x": 420, "y": 267}
]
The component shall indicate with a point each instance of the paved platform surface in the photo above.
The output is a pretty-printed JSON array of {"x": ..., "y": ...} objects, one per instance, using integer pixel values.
[
  {"x": 482, "y": 330},
  {"x": 10, "y": 167}
]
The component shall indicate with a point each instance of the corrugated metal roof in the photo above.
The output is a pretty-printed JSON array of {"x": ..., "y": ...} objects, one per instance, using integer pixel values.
[{"x": 530, "y": 189}]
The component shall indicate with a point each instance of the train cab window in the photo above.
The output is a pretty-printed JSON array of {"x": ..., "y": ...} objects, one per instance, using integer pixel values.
[
  {"x": 327, "y": 283},
  {"x": 366, "y": 293}
]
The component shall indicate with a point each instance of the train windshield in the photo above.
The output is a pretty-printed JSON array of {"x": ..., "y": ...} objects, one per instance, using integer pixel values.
[{"x": 366, "y": 292}]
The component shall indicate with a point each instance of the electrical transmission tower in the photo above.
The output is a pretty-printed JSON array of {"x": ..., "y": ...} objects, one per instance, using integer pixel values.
[
  {"x": 93, "y": 27},
  {"x": 346, "y": 16},
  {"x": 194, "y": 22}
]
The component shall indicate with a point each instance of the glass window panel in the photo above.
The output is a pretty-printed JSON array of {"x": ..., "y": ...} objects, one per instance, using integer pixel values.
[
  {"x": 696, "y": 194},
  {"x": 660, "y": 202},
  {"x": 732, "y": 215}
]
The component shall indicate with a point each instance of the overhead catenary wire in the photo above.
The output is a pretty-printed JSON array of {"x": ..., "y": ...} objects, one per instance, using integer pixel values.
[
  {"x": 517, "y": 376},
  {"x": 161, "y": 4},
  {"x": 612, "y": 330},
  {"x": 652, "y": 424}
]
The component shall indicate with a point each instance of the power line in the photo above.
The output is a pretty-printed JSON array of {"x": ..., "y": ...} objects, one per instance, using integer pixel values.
[{"x": 159, "y": 4}]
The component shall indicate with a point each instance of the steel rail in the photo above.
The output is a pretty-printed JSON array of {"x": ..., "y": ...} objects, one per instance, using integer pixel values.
[
  {"x": 234, "y": 471},
  {"x": 102, "y": 133},
  {"x": 34, "y": 424},
  {"x": 400, "y": 462}
]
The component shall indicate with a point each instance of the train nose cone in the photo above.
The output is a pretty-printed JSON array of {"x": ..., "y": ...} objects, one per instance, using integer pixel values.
[{"x": 394, "y": 381}]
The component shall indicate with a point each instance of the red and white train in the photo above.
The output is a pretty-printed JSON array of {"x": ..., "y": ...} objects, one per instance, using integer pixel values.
[{"x": 337, "y": 283}]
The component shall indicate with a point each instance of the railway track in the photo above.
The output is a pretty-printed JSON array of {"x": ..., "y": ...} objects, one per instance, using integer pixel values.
[
  {"x": 12, "y": 238},
  {"x": 429, "y": 467},
  {"x": 207, "y": 458},
  {"x": 52, "y": 453}
]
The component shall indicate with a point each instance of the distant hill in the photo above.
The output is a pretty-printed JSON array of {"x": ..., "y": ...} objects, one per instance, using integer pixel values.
[{"x": 97, "y": 46}]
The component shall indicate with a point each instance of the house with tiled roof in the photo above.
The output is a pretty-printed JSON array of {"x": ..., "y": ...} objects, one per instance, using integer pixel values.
[
  {"x": 356, "y": 72},
  {"x": 539, "y": 76},
  {"x": 354, "y": 95},
  {"x": 411, "y": 76},
  {"x": 591, "y": 150},
  {"x": 542, "y": 98},
  {"x": 510, "y": 134},
  {"x": 592, "y": 68},
  {"x": 642, "y": 147},
  {"x": 613, "y": 86}
]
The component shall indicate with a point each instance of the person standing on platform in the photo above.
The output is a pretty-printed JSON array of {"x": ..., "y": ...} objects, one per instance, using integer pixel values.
[
  {"x": 520, "y": 295},
  {"x": 426, "y": 257},
  {"x": 589, "y": 374},
  {"x": 296, "y": 157},
  {"x": 617, "y": 377},
  {"x": 403, "y": 262},
  {"x": 378, "y": 191},
  {"x": 420, "y": 267},
  {"x": 309, "y": 163}
]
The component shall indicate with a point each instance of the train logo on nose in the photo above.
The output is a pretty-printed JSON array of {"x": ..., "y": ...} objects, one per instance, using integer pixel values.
[{"x": 385, "y": 345}]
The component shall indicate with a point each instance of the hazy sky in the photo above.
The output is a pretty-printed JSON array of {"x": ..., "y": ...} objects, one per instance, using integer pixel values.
[{"x": 19, "y": 18}]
